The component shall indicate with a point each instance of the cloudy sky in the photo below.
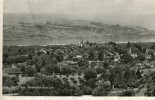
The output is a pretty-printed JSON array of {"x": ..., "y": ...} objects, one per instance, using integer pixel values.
[{"x": 128, "y": 12}]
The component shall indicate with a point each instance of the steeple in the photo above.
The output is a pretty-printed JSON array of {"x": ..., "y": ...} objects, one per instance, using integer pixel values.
[{"x": 129, "y": 47}]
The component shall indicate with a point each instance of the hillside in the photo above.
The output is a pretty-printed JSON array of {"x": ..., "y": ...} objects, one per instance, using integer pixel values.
[{"x": 62, "y": 27}]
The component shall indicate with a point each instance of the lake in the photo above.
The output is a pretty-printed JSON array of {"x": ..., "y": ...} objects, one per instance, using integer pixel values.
[{"x": 77, "y": 40}]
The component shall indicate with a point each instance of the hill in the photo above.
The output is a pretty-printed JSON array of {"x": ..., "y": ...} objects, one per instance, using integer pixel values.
[{"x": 24, "y": 26}]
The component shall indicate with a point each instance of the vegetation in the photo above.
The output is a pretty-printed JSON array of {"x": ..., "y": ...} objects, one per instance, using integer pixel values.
[{"x": 75, "y": 70}]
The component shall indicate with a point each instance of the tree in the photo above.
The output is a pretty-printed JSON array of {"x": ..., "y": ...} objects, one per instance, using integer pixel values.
[
  {"x": 65, "y": 92},
  {"x": 127, "y": 75},
  {"x": 35, "y": 92},
  {"x": 30, "y": 70},
  {"x": 81, "y": 81},
  {"x": 105, "y": 64},
  {"x": 47, "y": 59},
  {"x": 138, "y": 46},
  {"x": 83, "y": 62},
  {"x": 128, "y": 93},
  {"x": 75, "y": 81},
  {"x": 15, "y": 80},
  {"x": 138, "y": 74},
  {"x": 86, "y": 90},
  {"x": 141, "y": 56},
  {"x": 8, "y": 83},
  {"x": 11, "y": 59},
  {"x": 91, "y": 55},
  {"x": 103, "y": 89},
  {"x": 35, "y": 59},
  {"x": 117, "y": 78},
  {"x": 23, "y": 70},
  {"x": 92, "y": 83},
  {"x": 127, "y": 58},
  {"x": 49, "y": 69},
  {"x": 72, "y": 79},
  {"x": 39, "y": 65},
  {"x": 54, "y": 60},
  {"x": 5, "y": 56},
  {"x": 65, "y": 70},
  {"x": 100, "y": 70},
  {"x": 59, "y": 58},
  {"x": 100, "y": 56},
  {"x": 56, "y": 69},
  {"x": 130, "y": 77},
  {"x": 153, "y": 92},
  {"x": 90, "y": 74},
  {"x": 65, "y": 79},
  {"x": 153, "y": 46}
]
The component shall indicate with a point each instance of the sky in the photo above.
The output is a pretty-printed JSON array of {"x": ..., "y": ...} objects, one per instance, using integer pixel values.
[{"x": 126, "y": 12}]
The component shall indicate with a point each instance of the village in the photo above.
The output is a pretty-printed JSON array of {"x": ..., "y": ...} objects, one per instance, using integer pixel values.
[{"x": 85, "y": 68}]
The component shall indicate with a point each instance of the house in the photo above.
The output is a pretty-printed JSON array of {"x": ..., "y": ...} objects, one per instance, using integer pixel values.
[
  {"x": 152, "y": 64},
  {"x": 131, "y": 51},
  {"x": 103, "y": 83},
  {"x": 148, "y": 56},
  {"x": 77, "y": 57},
  {"x": 23, "y": 80},
  {"x": 12, "y": 71},
  {"x": 116, "y": 57},
  {"x": 94, "y": 64},
  {"x": 112, "y": 66},
  {"x": 41, "y": 51},
  {"x": 139, "y": 65},
  {"x": 146, "y": 64},
  {"x": 134, "y": 55},
  {"x": 72, "y": 64}
]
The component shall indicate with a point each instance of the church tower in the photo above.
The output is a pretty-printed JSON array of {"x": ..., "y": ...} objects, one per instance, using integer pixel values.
[{"x": 129, "y": 47}]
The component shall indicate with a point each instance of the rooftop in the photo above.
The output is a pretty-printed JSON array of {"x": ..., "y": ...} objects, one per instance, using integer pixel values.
[{"x": 11, "y": 71}]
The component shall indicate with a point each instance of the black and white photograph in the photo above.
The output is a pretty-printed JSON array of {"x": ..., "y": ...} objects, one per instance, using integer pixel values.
[{"x": 101, "y": 48}]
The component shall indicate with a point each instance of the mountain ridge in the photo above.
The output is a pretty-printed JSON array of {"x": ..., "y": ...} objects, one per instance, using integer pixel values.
[{"x": 63, "y": 27}]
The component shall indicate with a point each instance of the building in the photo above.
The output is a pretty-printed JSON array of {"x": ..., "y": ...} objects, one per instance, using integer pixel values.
[
  {"x": 134, "y": 55},
  {"x": 72, "y": 64},
  {"x": 117, "y": 57},
  {"x": 147, "y": 55},
  {"x": 128, "y": 47},
  {"x": 12, "y": 71},
  {"x": 130, "y": 51}
]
